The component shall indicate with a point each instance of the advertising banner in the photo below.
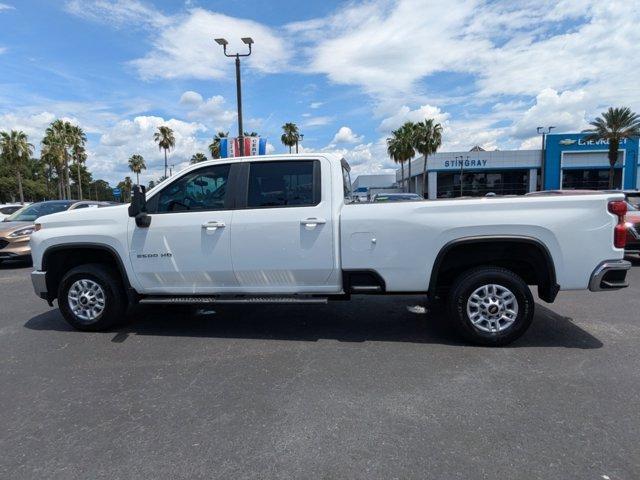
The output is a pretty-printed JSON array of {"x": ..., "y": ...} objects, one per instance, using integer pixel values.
[{"x": 230, "y": 147}]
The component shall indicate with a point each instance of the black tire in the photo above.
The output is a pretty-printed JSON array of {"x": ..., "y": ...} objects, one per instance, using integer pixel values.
[
  {"x": 460, "y": 294},
  {"x": 113, "y": 295}
]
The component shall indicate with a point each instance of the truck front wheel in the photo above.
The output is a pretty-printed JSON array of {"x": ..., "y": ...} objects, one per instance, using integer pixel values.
[
  {"x": 91, "y": 297},
  {"x": 490, "y": 306}
]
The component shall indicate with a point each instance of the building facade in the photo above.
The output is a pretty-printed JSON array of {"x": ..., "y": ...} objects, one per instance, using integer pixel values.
[
  {"x": 364, "y": 186},
  {"x": 568, "y": 162}
]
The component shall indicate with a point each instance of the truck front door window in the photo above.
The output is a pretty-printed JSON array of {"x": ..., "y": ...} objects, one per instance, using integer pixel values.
[{"x": 201, "y": 190}]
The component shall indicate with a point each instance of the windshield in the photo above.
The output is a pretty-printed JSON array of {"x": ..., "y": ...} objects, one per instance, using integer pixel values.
[{"x": 31, "y": 212}]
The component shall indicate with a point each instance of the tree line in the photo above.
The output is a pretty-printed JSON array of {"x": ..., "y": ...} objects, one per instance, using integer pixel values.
[{"x": 61, "y": 173}]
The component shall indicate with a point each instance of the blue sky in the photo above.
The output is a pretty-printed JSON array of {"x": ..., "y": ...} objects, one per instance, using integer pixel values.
[{"x": 345, "y": 72}]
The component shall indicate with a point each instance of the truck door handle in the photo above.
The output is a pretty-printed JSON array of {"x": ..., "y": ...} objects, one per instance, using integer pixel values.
[
  {"x": 312, "y": 222},
  {"x": 213, "y": 225}
]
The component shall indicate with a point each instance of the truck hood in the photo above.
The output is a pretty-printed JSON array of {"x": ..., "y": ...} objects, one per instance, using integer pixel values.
[{"x": 85, "y": 216}]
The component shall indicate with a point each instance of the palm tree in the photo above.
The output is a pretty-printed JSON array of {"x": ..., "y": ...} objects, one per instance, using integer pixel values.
[
  {"x": 214, "y": 146},
  {"x": 197, "y": 158},
  {"x": 49, "y": 154},
  {"x": 125, "y": 187},
  {"x": 614, "y": 126},
  {"x": 407, "y": 133},
  {"x": 77, "y": 140},
  {"x": 166, "y": 141},
  {"x": 136, "y": 165},
  {"x": 290, "y": 136},
  {"x": 251, "y": 134},
  {"x": 16, "y": 150},
  {"x": 427, "y": 140},
  {"x": 56, "y": 141},
  {"x": 400, "y": 148}
]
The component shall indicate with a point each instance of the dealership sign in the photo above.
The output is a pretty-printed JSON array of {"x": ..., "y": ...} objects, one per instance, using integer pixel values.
[
  {"x": 585, "y": 143},
  {"x": 230, "y": 147},
  {"x": 465, "y": 163}
]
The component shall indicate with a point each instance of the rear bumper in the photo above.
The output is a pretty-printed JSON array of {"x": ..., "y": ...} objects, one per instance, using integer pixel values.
[
  {"x": 609, "y": 275},
  {"x": 39, "y": 280}
]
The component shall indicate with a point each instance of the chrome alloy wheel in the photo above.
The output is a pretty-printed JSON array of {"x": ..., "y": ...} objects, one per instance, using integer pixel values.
[
  {"x": 492, "y": 308},
  {"x": 86, "y": 299}
]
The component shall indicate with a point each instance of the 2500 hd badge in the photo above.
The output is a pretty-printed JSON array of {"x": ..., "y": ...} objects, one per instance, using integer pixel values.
[{"x": 154, "y": 255}]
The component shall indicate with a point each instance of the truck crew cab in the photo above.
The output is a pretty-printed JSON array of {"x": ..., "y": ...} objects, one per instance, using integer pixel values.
[{"x": 282, "y": 229}]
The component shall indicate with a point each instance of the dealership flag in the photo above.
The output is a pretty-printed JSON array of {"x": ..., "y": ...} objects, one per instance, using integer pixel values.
[{"x": 230, "y": 147}]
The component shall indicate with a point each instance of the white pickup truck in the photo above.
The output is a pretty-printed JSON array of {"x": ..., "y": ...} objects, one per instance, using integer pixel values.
[{"x": 282, "y": 229}]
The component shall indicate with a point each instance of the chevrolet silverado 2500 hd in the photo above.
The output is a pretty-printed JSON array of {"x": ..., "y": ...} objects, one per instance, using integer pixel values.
[{"x": 281, "y": 229}]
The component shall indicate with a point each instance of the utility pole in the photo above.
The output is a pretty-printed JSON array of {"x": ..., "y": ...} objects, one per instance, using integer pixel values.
[
  {"x": 247, "y": 41},
  {"x": 541, "y": 131}
]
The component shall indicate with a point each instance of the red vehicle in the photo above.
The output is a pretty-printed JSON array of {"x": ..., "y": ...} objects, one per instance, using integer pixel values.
[{"x": 632, "y": 220}]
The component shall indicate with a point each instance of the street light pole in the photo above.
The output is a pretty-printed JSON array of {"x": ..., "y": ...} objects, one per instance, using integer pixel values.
[
  {"x": 541, "y": 131},
  {"x": 247, "y": 41},
  {"x": 299, "y": 138},
  {"x": 462, "y": 171}
]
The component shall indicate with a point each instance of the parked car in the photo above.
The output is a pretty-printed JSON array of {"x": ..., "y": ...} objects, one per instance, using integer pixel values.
[
  {"x": 16, "y": 229},
  {"x": 632, "y": 221},
  {"x": 280, "y": 229},
  {"x": 8, "y": 209},
  {"x": 396, "y": 197},
  {"x": 633, "y": 197}
]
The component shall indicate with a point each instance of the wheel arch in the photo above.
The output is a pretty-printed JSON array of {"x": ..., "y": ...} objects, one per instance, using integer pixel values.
[
  {"x": 527, "y": 256},
  {"x": 59, "y": 259}
]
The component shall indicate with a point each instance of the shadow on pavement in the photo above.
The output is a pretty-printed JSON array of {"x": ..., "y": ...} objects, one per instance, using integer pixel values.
[
  {"x": 363, "y": 319},
  {"x": 634, "y": 259},
  {"x": 14, "y": 264}
]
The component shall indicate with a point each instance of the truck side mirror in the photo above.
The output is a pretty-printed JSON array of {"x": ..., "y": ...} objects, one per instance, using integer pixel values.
[{"x": 138, "y": 207}]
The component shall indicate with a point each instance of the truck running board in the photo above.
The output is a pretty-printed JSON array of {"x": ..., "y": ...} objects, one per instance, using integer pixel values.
[{"x": 185, "y": 300}]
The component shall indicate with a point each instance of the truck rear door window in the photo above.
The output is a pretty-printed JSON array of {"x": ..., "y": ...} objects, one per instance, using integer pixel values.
[{"x": 284, "y": 184}]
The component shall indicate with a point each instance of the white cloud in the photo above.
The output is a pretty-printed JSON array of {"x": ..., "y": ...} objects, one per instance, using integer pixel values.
[
  {"x": 565, "y": 111},
  {"x": 504, "y": 48},
  {"x": 4, "y": 6},
  {"x": 190, "y": 98},
  {"x": 109, "y": 158},
  {"x": 405, "y": 114},
  {"x": 185, "y": 48},
  {"x": 213, "y": 112},
  {"x": 118, "y": 12},
  {"x": 386, "y": 47},
  {"x": 315, "y": 104},
  {"x": 345, "y": 135},
  {"x": 33, "y": 125},
  {"x": 317, "y": 121}
]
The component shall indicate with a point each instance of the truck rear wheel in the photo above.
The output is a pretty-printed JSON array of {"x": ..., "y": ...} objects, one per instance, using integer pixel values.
[
  {"x": 91, "y": 297},
  {"x": 490, "y": 306}
]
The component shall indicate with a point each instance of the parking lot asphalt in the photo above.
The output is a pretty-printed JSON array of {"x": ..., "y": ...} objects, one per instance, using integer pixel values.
[{"x": 360, "y": 390}]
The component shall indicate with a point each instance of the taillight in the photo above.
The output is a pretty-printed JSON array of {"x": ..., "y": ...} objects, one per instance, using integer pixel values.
[
  {"x": 619, "y": 208},
  {"x": 620, "y": 235}
]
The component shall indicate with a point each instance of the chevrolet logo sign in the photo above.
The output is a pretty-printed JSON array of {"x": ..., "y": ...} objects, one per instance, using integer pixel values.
[{"x": 567, "y": 141}]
